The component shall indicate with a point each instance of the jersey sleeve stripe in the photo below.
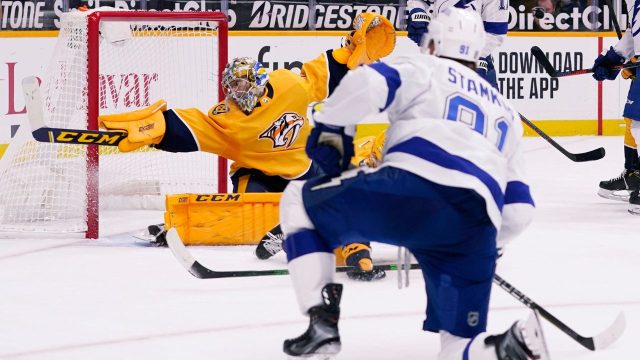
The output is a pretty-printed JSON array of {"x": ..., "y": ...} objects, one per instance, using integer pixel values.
[
  {"x": 431, "y": 152},
  {"x": 497, "y": 28},
  {"x": 392, "y": 77},
  {"x": 634, "y": 17},
  {"x": 336, "y": 71},
  {"x": 517, "y": 192},
  {"x": 178, "y": 137}
]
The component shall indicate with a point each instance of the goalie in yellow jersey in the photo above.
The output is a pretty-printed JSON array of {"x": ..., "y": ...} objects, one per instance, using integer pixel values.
[{"x": 262, "y": 125}]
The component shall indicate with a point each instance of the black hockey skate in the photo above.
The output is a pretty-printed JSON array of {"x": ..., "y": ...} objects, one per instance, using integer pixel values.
[
  {"x": 619, "y": 188},
  {"x": 523, "y": 341},
  {"x": 270, "y": 244},
  {"x": 159, "y": 234},
  {"x": 322, "y": 337},
  {"x": 634, "y": 202}
]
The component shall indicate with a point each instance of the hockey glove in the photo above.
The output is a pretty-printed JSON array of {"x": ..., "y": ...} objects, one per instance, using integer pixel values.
[
  {"x": 144, "y": 127},
  {"x": 368, "y": 150},
  {"x": 602, "y": 66},
  {"x": 417, "y": 24},
  {"x": 486, "y": 70},
  {"x": 330, "y": 148},
  {"x": 372, "y": 38},
  {"x": 482, "y": 67}
]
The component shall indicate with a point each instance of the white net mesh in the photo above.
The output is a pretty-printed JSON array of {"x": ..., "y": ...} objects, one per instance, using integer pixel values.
[{"x": 43, "y": 187}]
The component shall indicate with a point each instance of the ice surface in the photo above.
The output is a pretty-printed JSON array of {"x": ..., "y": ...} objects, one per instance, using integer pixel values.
[{"x": 115, "y": 299}]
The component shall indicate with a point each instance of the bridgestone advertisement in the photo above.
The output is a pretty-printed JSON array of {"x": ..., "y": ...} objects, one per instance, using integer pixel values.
[
  {"x": 564, "y": 101},
  {"x": 525, "y": 15}
]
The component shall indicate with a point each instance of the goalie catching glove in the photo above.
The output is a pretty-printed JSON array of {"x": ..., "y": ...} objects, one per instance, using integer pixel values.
[
  {"x": 372, "y": 38},
  {"x": 144, "y": 127}
]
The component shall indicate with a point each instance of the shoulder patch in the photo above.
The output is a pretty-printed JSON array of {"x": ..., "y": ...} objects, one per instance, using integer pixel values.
[{"x": 220, "y": 109}]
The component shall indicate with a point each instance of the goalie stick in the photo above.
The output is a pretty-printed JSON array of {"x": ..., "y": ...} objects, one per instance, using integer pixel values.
[
  {"x": 591, "y": 155},
  {"x": 598, "y": 342},
  {"x": 42, "y": 133},
  {"x": 543, "y": 60}
]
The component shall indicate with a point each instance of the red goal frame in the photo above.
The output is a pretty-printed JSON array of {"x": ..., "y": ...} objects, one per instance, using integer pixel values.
[{"x": 93, "y": 69}]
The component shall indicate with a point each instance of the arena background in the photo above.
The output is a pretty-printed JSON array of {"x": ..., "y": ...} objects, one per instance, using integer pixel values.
[{"x": 285, "y": 34}]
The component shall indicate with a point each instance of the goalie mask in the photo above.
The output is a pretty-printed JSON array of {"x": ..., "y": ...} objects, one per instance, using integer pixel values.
[
  {"x": 243, "y": 81},
  {"x": 456, "y": 34}
]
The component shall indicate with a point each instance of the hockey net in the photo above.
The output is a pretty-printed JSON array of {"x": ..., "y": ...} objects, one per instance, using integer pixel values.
[{"x": 107, "y": 62}]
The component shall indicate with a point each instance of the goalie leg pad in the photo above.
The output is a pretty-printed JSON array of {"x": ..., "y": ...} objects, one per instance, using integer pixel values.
[{"x": 222, "y": 219}]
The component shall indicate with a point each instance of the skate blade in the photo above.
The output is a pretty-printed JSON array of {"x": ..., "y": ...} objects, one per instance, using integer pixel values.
[
  {"x": 375, "y": 274},
  {"x": 620, "y": 195},
  {"x": 324, "y": 352},
  {"x": 534, "y": 336},
  {"x": 634, "y": 209}
]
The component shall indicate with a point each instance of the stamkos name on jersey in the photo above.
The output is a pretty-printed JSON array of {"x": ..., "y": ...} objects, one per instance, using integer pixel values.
[{"x": 481, "y": 88}]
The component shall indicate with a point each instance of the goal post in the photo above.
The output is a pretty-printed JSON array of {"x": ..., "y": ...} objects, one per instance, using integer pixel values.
[{"x": 108, "y": 62}]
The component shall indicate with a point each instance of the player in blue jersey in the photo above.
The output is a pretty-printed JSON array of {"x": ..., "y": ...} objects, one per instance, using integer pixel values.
[
  {"x": 450, "y": 188},
  {"x": 495, "y": 18},
  {"x": 626, "y": 186}
]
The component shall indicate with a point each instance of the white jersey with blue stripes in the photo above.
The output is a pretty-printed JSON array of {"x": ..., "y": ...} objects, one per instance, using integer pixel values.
[
  {"x": 629, "y": 45},
  {"x": 447, "y": 125},
  {"x": 494, "y": 14}
]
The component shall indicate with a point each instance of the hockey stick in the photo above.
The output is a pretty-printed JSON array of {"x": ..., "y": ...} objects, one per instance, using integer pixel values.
[
  {"x": 42, "y": 133},
  {"x": 546, "y": 64},
  {"x": 598, "y": 342},
  {"x": 201, "y": 272},
  {"x": 614, "y": 18},
  {"x": 591, "y": 155}
]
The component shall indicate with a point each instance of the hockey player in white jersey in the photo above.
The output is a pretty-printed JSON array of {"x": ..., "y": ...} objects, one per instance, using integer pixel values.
[
  {"x": 449, "y": 188},
  {"x": 495, "y": 18}
]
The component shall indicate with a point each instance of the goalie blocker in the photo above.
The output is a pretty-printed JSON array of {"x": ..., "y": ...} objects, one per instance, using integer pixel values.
[{"x": 133, "y": 129}]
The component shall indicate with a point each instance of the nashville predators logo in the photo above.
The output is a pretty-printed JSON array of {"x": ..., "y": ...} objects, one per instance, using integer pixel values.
[{"x": 284, "y": 131}]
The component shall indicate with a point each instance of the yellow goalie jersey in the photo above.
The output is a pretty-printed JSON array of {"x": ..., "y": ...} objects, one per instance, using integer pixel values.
[{"x": 272, "y": 137}]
